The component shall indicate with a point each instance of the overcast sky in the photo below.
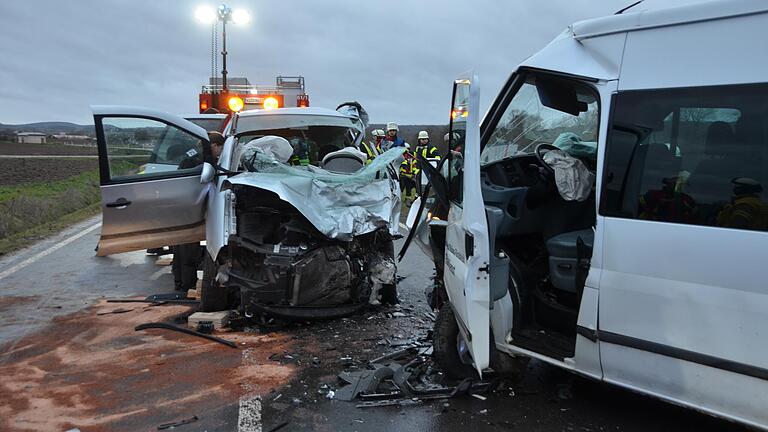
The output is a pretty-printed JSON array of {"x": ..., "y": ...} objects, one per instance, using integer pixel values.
[{"x": 396, "y": 57}]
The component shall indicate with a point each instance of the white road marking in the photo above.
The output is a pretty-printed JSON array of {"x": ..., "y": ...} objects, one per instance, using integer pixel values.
[
  {"x": 47, "y": 252},
  {"x": 249, "y": 416}
]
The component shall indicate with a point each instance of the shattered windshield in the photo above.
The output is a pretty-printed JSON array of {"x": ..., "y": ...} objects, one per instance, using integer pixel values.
[
  {"x": 560, "y": 113},
  {"x": 311, "y": 143}
]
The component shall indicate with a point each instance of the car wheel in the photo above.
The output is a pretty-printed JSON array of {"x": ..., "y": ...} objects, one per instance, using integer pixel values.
[
  {"x": 388, "y": 292},
  {"x": 213, "y": 297},
  {"x": 447, "y": 351}
]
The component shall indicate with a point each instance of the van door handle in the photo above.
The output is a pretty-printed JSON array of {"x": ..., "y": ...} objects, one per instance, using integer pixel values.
[{"x": 120, "y": 203}]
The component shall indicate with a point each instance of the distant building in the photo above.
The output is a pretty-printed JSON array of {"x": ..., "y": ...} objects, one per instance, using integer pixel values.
[{"x": 30, "y": 138}]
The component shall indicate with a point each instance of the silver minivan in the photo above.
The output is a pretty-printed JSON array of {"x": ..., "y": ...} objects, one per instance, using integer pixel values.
[{"x": 608, "y": 215}]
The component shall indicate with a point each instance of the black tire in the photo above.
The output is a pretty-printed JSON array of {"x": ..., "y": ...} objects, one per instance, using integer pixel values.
[
  {"x": 213, "y": 297},
  {"x": 445, "y": 347}
]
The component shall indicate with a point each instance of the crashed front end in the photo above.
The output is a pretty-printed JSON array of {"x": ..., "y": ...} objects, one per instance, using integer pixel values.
[{"x": 310, "y": 244}]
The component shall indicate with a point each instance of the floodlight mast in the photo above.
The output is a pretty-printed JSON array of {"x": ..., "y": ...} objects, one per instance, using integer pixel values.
[{"x": 224, "y": 14}]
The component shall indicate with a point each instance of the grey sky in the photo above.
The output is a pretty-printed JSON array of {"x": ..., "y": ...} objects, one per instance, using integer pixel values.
[{"x": 396, "y": 57}]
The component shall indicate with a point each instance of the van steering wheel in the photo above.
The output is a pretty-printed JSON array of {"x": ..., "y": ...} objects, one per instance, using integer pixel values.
[{"x": 541, "y": 149}]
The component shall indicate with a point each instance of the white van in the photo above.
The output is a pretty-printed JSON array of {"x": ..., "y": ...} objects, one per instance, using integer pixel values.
[{"x": 608, "y": 215}]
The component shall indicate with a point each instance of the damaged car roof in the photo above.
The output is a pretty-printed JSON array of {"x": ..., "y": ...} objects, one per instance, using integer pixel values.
[{"x": 294, "y": 117}]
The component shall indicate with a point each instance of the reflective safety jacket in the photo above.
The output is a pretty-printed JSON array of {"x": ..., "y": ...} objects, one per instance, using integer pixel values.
[
  {"x": 408, "y": 165},
  {"x": 368, "y": 150},
  {"x": 427, "y": 152},
  {"x": 745, "y": 212}
]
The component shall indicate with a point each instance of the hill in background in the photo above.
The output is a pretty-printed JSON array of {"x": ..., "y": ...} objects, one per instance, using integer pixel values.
[{"x": 50, "y": 128}]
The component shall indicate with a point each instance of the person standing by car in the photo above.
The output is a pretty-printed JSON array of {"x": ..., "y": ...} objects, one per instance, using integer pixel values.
[
  {"x": 217, "y": 144},
  {"x": 391, "y": 139},
  {"x": 368, "y": 147},
  {"x": 426, "y": 150},
  {"x": 407, "y": 183},
  {"x": 188, "y": 256}
]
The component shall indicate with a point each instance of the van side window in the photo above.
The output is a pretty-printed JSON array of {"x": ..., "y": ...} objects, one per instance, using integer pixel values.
[{"x": 693, "y": 156}]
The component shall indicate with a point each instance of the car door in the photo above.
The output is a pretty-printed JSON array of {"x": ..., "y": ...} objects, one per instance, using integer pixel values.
[
  {"x": 467, "y": 246},
  {"x": 152, "y": 188}
]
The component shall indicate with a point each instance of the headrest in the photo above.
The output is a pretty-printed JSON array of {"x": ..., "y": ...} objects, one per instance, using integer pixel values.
[{"x": 719, "y": 137}]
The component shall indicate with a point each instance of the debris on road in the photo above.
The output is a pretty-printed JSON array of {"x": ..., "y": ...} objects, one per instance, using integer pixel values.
[
  {"x": 405, "y": 377},
  {"x": 115, "y": 311},
  {"x": 158, "y": 299},
  {"x": 166, "y": 261},
  {"x": 205, "y": 327},
  {"x": 166, "y": 326},
  {"x": 219, "y": 319},
  {"x": 178, "y": 423}
]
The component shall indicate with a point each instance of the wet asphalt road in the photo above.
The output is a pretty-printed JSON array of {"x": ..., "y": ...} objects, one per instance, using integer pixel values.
[{"x": 39, "y": 284}]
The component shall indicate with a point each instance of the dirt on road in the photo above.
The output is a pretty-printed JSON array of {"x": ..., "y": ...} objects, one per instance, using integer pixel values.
[{"x": 94, "y": 371}]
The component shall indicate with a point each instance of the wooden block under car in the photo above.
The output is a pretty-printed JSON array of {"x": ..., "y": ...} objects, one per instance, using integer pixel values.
[
  {"x": 219, "y": 319},
  {"x": 163, "y": 261},
  {"x": 192, "y": 294}
]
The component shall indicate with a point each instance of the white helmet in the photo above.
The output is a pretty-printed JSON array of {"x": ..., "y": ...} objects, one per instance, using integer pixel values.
[
  {"x": 407, "y": 146},
  {"x": 379, "y": 132},
  {"x": 455, "y": 137},
  {"x": 423, "y": 135},
  {"x": 392, "y": 126}
]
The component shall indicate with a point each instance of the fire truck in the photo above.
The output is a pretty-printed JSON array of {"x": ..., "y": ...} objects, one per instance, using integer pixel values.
[{"x": 240, "y": 94}]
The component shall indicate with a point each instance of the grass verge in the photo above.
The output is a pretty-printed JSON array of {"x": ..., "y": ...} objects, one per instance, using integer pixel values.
[
  {"x": 24, "y": 238},
  {"x": 33, "y": 210}
]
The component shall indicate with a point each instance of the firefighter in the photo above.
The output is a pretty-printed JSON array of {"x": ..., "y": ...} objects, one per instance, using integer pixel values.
[
  {"x": 746, "y": 210},
  {"x": 391, "y": 139},
  {"x": 426, "y": 150},
  {"x": 407, "y": 183},
  {"x": 300, "y": 154},
  {"x": 368, "y": 147},
  {"x": 379, "y": 138}
]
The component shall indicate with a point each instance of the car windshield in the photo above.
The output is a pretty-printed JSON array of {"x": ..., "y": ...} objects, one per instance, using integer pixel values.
[
  {"x": 546, "y": 111},
  {"x": 311, "y": 135}
]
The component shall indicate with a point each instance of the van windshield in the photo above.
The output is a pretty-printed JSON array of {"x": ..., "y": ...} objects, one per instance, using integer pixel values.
[{"x": 544, "y": 110}]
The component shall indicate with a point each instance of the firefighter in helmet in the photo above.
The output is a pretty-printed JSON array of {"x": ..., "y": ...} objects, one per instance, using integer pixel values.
[
  {"x": 425, "y": 149},
  {"x": 746, "y": 210},
  {"x": 407, "y": 182}
]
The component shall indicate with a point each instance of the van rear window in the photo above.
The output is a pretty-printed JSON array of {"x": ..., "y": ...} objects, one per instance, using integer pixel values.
[{"x": 696, "y": 155}]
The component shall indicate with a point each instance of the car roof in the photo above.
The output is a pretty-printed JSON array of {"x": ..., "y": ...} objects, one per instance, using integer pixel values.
[
  {"x": 205, "y": 116},
  {"x": 294, "y": 111}
]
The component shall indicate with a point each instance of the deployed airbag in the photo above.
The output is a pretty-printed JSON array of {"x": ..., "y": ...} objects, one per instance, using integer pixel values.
[
  {"x": 573, "y": 179},
  {"x": 341, "y": 206}
]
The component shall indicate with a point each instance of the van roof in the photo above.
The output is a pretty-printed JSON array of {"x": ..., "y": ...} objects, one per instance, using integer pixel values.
[{"x": 646, "y": 19}]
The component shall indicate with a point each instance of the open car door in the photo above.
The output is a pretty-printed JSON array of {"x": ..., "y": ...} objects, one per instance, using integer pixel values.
[
  {"x": 467, "y": 248},
  {"x": 154, "y": 181}
]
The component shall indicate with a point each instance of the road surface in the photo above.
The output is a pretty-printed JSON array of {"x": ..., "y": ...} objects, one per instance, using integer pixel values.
[{"x": 70, "y": 359}]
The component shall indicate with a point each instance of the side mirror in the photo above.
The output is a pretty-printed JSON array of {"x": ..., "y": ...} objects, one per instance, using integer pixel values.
[{"x": 209, "y": 172}]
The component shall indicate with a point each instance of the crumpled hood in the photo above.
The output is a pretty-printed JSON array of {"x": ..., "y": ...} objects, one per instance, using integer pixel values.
[{"x": 341, "y": 206}]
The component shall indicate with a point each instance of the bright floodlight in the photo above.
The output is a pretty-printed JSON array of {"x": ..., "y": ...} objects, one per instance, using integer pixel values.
[
  {"x": 205, "y": 14},
  {"x": 241, "y": 16}
]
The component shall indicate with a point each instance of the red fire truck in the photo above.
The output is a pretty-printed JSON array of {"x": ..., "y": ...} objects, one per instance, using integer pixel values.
[{"x": 240, "y": 94}]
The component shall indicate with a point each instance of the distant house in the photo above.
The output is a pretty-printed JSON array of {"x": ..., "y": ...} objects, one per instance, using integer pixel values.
[{"x": 30, "y": 138}]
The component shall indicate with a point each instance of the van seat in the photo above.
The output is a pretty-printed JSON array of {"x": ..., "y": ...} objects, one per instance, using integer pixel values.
[
  {"x": 563, "y": 258},
  {"x": 564, "y": 245}
]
